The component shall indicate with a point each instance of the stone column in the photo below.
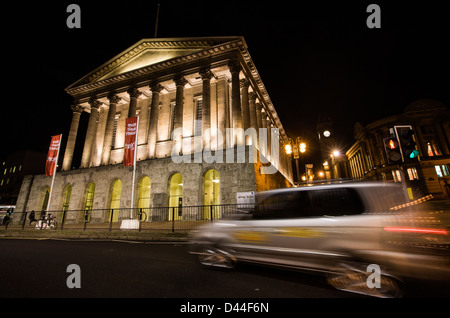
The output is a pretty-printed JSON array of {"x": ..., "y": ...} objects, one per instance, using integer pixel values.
[
  {"x": 244, "y": 103},
  {"x": 252, "y": 109},
  {"x": 206, "y": 75},
  {"x": 235, "y": 68},
  {"x": 70, "y": 147},
  {"x": 259, "y": 124},
  {"x": 109, "y": 130},
  {"x": 180, "y": 82},
  {"x": 90, "y": 134},
  {"x": 269, "y": 136},
  {"x": 253, "y": 115},
  {"x": 156, "y": 89},
  {"x": 262, "y": 148},
  {"x": 134, "y": 94}
]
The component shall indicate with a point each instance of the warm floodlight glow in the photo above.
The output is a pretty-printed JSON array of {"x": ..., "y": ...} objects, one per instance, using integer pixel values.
[{"x": 288, "y": 149}]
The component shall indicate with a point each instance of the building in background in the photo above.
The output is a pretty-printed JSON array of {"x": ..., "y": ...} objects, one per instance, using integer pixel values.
[
  {"x": 334, "y": 163},
  {"x": 12, "y": 171},
  {"x": 200, "y": 85},
  {"x": 430, "y": 174}
]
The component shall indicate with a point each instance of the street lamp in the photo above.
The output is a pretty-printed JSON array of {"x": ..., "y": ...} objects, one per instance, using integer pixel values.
[{"x": 295, "y": 148}]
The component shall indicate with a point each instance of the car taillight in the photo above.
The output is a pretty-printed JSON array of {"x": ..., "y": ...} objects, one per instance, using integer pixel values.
[{"x": 416, "y": 230}]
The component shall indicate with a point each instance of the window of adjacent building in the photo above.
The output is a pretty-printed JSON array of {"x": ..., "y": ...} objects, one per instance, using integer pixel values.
[
  {"x": 175, "y": 196},
  {"x": 433, "y": 149},
  {"x": 144, "y": 194},
  {"x": 114, "y": 205},
  {"x": 396, "y": 175},
  {"x": 442, "y": 171},
  {"x": 412, "y": 174}
]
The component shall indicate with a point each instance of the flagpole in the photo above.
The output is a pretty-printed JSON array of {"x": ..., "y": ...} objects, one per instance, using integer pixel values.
[
  {"x": 134, "y": 167},
  {"x": 53, "y": 177}
]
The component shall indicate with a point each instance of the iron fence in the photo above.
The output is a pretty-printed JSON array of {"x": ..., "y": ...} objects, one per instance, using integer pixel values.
[{"x": 183, "y": 218}]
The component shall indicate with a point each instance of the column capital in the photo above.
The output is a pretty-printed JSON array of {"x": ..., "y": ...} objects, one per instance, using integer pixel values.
[
  {"x": 113, "y": 98},
  {"x": 76, "y": 108},
  {"x": 156, "y": 87},
  {"x": 244, "y": 83},
  {"x": 134, "y": 92},
  {"x": 259, "y": 106},
  {"x": 95, "y": 104},
  {"x": 252, "y": 96},
  {"x": 205, "y": 72},
  {"x": 180, "y": 80},
  {"x": 234, "y": 66}
]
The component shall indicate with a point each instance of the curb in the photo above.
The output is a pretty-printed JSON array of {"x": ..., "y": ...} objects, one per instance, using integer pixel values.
[{"x": 81, "y": 235}]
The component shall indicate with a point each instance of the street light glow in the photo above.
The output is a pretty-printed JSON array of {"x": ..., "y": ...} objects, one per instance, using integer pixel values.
[
  {"x": 288, "y": 149},
  {"x": 302, "y": 147}
]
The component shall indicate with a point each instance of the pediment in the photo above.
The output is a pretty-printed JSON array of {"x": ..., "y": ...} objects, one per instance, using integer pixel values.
[{"x": 149, "y": 52}]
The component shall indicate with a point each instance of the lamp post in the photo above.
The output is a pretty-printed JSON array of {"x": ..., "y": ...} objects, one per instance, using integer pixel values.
[{"x": 295, "y": 148}]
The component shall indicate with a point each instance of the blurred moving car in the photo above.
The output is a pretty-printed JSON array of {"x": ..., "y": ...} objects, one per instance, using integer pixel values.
[{"x": 337, "y": 229}]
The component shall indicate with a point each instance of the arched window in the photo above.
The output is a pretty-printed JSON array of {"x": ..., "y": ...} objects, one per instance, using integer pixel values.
[
  {"x": 211, "y": 194},
  {"x": 175, "y": 196},
  {"x": 66, "y": 200},
  {"x": 114, "y": 203},
  {"x": 89, "y": 201},
  {"x": 46, "y": 194},
  {"x": 144, "y": 193}
]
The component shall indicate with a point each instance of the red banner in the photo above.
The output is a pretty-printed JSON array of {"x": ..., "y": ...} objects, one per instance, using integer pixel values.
[
  {"x": 52, "y": 156},
  {"x": 130, "y": 141}
]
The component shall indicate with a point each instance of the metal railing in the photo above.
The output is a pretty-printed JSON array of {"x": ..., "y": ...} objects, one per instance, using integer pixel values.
[{"x": 172, "y": 219}]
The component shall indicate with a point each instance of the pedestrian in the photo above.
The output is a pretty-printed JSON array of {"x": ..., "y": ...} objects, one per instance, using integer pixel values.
[{"x": 32, "y": 217}]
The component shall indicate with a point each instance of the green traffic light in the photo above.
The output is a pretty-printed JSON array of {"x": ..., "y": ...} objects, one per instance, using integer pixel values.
[{"x": 414, "y": 154}]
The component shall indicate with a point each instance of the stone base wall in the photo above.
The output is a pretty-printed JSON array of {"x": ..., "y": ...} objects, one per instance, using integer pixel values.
[{"x": 234, "y": 178}]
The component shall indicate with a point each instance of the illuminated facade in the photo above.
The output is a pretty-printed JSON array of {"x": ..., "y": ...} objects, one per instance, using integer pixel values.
[
  {"x": 431, "y": 173},
  {"x": 200, "y": 86}
]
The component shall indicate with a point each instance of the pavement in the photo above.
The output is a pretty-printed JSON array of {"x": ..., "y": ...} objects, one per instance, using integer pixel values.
[{"x": 125, "y": 235}]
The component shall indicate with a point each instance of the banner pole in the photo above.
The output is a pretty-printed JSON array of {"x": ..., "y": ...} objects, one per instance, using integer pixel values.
[{"x": 53, "y": 177}]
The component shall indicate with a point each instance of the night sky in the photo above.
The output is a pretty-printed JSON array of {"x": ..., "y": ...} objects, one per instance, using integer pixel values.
[{"x": 312, "y": 58}]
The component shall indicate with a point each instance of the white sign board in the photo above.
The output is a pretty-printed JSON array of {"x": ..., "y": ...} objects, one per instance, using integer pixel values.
[{"x": 245, "y": 197}]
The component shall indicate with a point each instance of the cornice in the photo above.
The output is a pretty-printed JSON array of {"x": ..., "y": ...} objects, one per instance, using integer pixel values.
[{"x": 84, "y": 85}]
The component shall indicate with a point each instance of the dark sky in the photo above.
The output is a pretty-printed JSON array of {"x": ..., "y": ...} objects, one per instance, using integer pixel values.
[{"x": 312, "y": 58}]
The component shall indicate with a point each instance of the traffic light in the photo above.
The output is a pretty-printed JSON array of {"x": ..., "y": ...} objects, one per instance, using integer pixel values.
[
  {"x": 407, "y": 144},
  {"x": 392, "y": 149}
]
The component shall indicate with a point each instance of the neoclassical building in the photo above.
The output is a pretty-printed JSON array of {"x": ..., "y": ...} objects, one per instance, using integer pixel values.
[
  {"x": 199, "y": 86},
  {"x": 430, "y": 120}
]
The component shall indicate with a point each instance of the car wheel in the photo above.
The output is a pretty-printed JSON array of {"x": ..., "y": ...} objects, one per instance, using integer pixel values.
[
  {"x": 354, "y": 277},
  {"x": 216, "y": 257}
]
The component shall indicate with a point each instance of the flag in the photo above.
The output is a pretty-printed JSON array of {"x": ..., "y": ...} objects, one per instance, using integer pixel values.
[
  {"x": 52, "y": 156},
  {"x": 130, "y": 141}
]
